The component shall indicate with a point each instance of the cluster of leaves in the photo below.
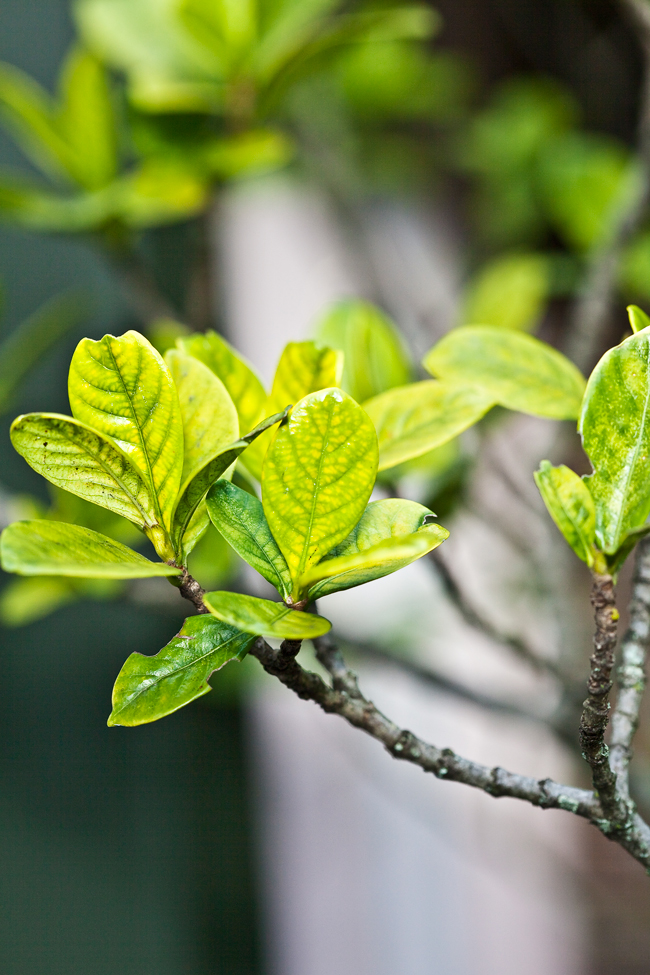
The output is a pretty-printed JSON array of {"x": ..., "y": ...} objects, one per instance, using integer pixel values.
[
  {"x": 204, "y": 83},
  {"x": 155, "y": 441},
  {"x": 546, "y": 195}
]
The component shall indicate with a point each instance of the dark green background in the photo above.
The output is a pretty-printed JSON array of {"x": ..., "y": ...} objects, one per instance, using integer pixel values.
[{"x": 121, "y": 850}]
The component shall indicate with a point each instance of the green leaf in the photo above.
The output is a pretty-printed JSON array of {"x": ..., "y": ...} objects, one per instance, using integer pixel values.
[
  {"x": 509, "y": 292},
  {"x": 27, "y": 111},
  {"x": 615, "y": 428},
  {"x": 261, "y": 617},
  {"x": 374, "y": 356},
  {"x": 210, "y": 421},
  {"x": 27, "y": 205},
  {"x": 318, "y": 476},
  {"x": 237, "y": 375},
  {"x": 517, "y": 370},
  {"x": 571, "y": 507},
  {"x": 412, "y": 420},
  {"x": 227, "y": 28},
  {"x": 87, "y": 121},
  {"x": 196, "y": 488},
  {"x": 638, "y": 318},
  {"x": 31, "y": 340},
  {"x": 86, "y": 463},
  {"x": 24, "y": 601},
  {"x": 240, "y": 519},
  {"x": 158, "y": 192},
  {"x": 53, "y": 548},
  {"x": 304, "y": 368},
  {"x": 390, "y": 535},
  {"x": 121, "y": 387},
  {"x": 148, "y": 688}
]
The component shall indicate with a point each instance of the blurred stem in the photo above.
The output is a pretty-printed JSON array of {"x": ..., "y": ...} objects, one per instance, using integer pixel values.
[
  {"x": 631, "y": 677},
  {"x": 591, "y": 315}
]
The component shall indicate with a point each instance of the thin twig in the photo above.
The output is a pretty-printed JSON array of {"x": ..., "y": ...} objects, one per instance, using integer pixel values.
[
  {"x": 478, "y": 622},
  {"x": 631, "y": 677},
  {"x": 633, "y": 835},
  {"x": 595, "y": 714}
]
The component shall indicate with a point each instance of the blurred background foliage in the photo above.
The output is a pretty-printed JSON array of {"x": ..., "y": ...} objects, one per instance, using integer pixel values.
[{"x": 122, "y": 122}]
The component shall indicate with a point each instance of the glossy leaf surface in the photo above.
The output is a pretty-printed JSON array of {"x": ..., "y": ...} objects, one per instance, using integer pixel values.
[
  {"x": 82, "y": 461},
  {"x": 390, "y": 535},
  {"x": 210, "y": 421},
  {"x": 304, "y": 368},
  {"x": 571, "y": 507},
  {"x": 517, "y": 370},
  {"x": 195, "y": 490},
  {"x": 615, "y": 428},
  {"x": 239, "y": 378},
  {"x": 412, "y": 420},
  {"x": 54, "y": 548},
  {"x": 374, "y": 359},
  {"x": 318, "y": 476},
  {"x": 121, "y": 387},
  {"x": 241, "y": 520},
  {"x": 148, "y": 688},
  {"x": 261, "y": 617}
]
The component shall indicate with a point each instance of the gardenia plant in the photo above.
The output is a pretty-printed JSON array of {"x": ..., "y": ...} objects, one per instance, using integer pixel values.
[{"x": 156, "y": 441}]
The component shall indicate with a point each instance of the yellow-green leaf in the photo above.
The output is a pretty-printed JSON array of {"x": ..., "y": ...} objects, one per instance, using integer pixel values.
[
  {"x": 638, "y": 318},
  {"x": 373, "y": 353},
  {"x": 185, "y": 529},
  {"x": 261, "y": 617},
  {"x": 121, "y": 387},
  {"x": 209, "y": 416},
  {"x": 571, "y": 507},
  {"x": 148, "y": 688},
  {"x": 28, "y": 112},
  {"x": 304, "y": 368},
  {"x": 240, "y": 518},
  {"x": 237, "y": 375},
  {"x": 318, "y": 476},
  {"x": 412, "y": 420},
  {"x": 517, "y": 370},
  {"x": 390, "y": 535},
  {"x": 86, "y": 463},
  {"x": 54, "y": 548},
  {"x": 615, "y": 428},
  {"x": 509, "y": 292}
]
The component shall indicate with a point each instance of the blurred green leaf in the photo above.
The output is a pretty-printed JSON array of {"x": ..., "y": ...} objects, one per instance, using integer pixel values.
[
  {"x": 638, "y": 318},
  {"x": 28, "y": 111},
  {"x": 87, "y": 121},
  {"x": 390, "y": 535},
  {"x": 615, "y": 429},
  {"x": 585, "y": 180},
  {"x": 24, "y": 601},
  {"x": 240, "y": 518},
  {"x": 510, "y": 291},
  {"x": 571, "y": 507},
  {"x": 412, "y": 420},
  {"x": 20, "y": 351},
  {"x": 517, "y": 370},
  {"x": 261, "y": 617},
  {"x": 374, "y": 358},
  {"x": 212, "y": 561},
  {"x": 318, "y": 476},
  {"x": 53, "y": 548},
  {"x": 149, "y": 688}
]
